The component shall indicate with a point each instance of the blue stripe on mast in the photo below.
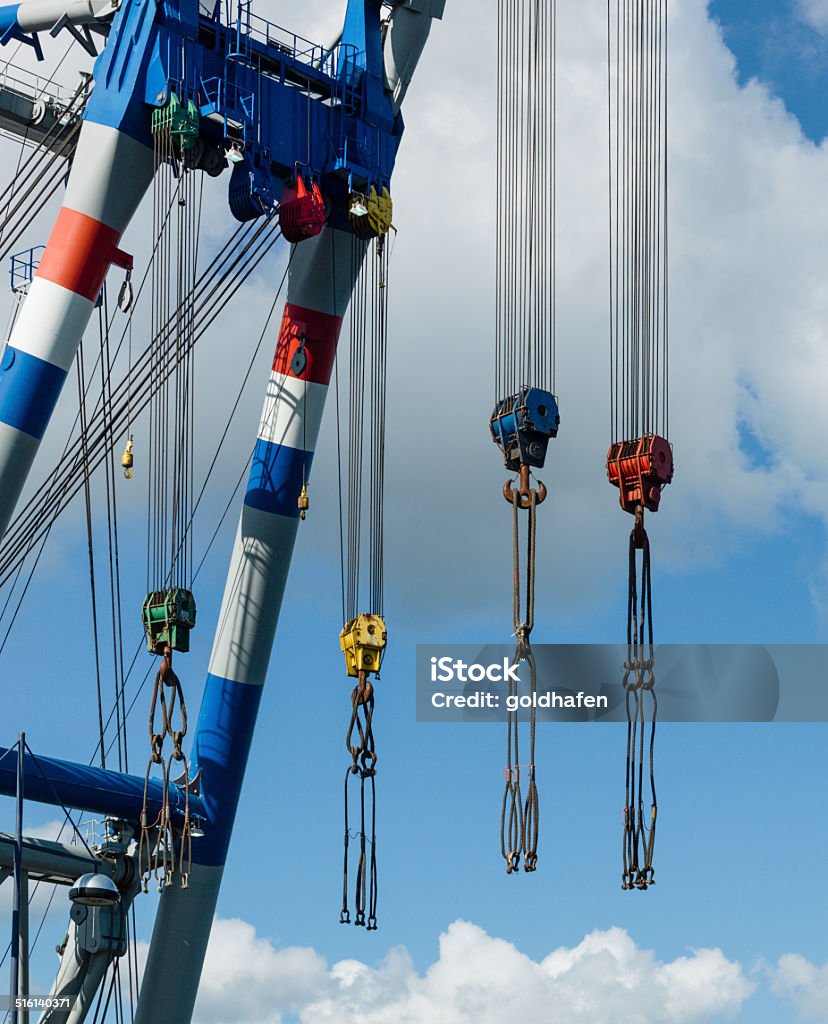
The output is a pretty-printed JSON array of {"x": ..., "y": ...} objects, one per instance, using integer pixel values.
[
  {"x": 29, "y": 390},
  {"x": 276, "y": 477},
  {"x": 222, "y": 744}
]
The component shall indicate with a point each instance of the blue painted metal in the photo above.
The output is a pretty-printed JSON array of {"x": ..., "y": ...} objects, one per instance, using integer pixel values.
[
  {"x": 8, "y": 18},
  {"x": 10, "y": 31},
  {"x": 236, "y": 106},
  {"x": 120, "y": 73},
  {"x": 29, "y": 390},
  {"x": 284, "y": 99},
  {"x": 96, "y": 790},
  {"x": 252, "y": 189},
  {"x": 522, "y": 425},
  {"x": 222, "y": 739},
  {"x": 276, "y": 476},
  {"x": 365, "y": 43},
  {"x": 23, "y": 266}
]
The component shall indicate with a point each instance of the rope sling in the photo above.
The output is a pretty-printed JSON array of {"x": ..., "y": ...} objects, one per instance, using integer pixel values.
[
  {"x": 169, "y": 610},
  {"x": 363, "y": 638},
  {"x": 525, "y": 415},
  {"x": 640, "y": 459}
]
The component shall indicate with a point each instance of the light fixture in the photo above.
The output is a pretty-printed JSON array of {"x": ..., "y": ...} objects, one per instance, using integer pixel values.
[
  {"x": 234, "y": 155},
  {"x": 94, "y": 890},
  {"x": 358, "y": 208},
  {"x": 196, "y": 827}
]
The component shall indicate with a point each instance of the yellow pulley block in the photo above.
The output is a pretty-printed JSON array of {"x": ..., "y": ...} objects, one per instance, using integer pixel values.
[
  {"x": 371, "y": 215},
  {"x": 380, "y": 211},
  {"x": 127, "y": 459},
  {"x": 303, "y": 502},
  {"x": 362, "y": 641}
]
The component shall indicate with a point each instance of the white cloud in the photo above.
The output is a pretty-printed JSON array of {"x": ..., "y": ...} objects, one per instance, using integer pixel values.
[
  {"x": 804, "y": 984},
  {"x": 749, "y": 341},
  {"x": 477, "y": 979},
  {"x": 749, "y": 336},
  {"x": 815, "y": 13},
  {"x": 246, "y": 979}
]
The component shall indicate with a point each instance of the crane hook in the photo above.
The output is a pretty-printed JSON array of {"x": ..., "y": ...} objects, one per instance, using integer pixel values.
[
  {"x": 524, "y": 495},
  {"x": 127, "y": 459}
]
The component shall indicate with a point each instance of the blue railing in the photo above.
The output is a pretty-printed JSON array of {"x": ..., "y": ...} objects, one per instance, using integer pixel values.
[
  {"x": 23, "y": 268},
  {"x": 250, "y": 28},
  {"x": 236, "y": 106}
]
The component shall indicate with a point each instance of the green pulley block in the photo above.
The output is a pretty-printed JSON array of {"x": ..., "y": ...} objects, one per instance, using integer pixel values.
[
  {"x": 168, "y": 616},
  {"x": 181, "y": 120}
]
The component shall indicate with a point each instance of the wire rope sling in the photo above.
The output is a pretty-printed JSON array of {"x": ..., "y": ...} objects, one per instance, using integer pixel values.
[
  {"x": 525, "y": 415},
  {"x": 364, "y": 637},
  {"x": 640, "y": 458},
  {"x": 169, "y": 609}
]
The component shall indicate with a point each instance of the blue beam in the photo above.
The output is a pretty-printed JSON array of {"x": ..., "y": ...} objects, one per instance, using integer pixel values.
[{"x": 95, "y": 790}]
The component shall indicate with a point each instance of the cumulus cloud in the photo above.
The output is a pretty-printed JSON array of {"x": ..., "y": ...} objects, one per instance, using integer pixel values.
[
  {"x": 246, "y": 979},
  {"x": 805, "y": 984},
  {"x": 477, "y": 979},
  {"x": 749, "y": 310},
  {"x": 749, "y": 345},
  {"x": 815, "y": 13}
]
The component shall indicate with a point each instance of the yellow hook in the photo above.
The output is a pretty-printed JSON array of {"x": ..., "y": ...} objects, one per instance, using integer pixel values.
[
  {"x": 127, "y": 460},
  {"x": 303, "y": 502}
]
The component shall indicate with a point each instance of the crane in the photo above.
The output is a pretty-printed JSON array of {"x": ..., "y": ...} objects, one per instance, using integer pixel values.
[{"x": 297, "y": 122}]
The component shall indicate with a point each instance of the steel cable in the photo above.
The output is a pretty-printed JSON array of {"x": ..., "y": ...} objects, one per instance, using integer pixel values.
[
  {"x": 363, "y": 504},
  {"x": 128, "y": 400}
]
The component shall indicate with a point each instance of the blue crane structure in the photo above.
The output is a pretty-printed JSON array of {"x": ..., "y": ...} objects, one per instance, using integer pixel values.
[{"x": 234, "y": 91}]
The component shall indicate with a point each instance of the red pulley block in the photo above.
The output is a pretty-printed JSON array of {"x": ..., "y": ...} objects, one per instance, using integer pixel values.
[
  {"x": 640, "y": 469},
  {"x": 301, "y": 211}
]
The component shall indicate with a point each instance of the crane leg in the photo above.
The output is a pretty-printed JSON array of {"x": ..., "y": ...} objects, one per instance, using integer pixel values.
[{"x": 110, "y": 174}]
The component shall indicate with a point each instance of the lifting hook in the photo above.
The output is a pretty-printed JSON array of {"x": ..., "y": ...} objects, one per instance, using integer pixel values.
[
  {"x": 128, "y": 460},
  {"x": 524, "y": 494},
  {"x": 303, "y": 501},
  {"x": 638, "y": 528}
]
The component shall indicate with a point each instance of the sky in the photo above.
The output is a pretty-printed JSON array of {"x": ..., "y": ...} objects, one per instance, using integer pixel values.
[{"x": 734, "y": 928}]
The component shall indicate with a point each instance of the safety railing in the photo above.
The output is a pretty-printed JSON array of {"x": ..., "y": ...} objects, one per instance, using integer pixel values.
[
  {"x": 35, "y": 86},
  {"x": 23, "y": 267},
  {"x": 236, "y": 106}
]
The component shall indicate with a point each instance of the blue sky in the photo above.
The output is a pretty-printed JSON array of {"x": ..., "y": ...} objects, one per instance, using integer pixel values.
[
  {"x": 743, "y": 831},
  {"x": 774, "y": 42}
]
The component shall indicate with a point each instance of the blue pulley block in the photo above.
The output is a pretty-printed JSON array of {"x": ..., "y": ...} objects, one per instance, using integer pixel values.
[
  {"x": 251, "y": 190},
  {"x": 522, "y": 424}
]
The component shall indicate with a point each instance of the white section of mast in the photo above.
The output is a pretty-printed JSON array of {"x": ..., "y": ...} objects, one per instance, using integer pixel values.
[{"x": 406, "y": 36}]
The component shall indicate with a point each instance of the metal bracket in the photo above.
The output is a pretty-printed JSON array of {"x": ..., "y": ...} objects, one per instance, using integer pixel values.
[
  {"x": 13, "y": 32},
  {"x": 81, "y": 35},
  {"x": 192, "y": 785}
]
